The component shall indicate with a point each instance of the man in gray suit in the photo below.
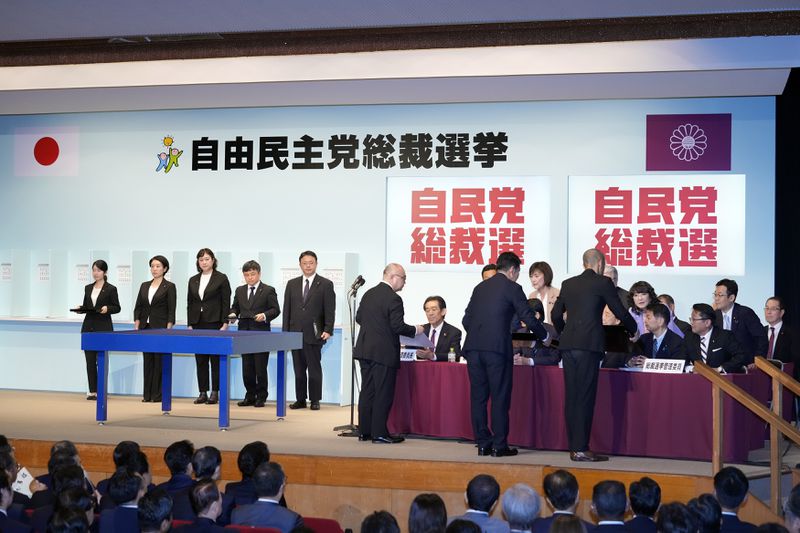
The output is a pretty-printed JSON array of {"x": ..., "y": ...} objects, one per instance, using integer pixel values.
[
  {"x": 270, "y": 482},
  {"x": 482, "y": 494},
  {"x": 309, "y": 306}
]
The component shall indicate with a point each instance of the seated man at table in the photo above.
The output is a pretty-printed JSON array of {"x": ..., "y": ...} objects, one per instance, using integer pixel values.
[
  {"x": 444, "y": 336},
  {"x": 482, "y": 494},
  {"x": 530, "y": 353},
  {"x": 659, "y": 342},
  {"x": 714, "y": 346}
]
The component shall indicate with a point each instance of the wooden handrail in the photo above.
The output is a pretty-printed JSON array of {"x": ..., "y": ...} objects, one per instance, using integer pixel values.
[{"x": 774, "y": 417}]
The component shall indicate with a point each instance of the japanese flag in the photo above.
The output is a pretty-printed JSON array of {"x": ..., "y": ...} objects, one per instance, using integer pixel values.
[{"x": 46, "y": 151}]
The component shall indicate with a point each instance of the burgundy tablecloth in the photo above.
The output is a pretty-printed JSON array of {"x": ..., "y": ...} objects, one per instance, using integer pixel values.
[{"x": 640, "y": 414}]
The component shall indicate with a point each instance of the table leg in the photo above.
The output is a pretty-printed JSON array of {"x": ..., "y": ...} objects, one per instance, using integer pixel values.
[
  {"x": 281, "y": 407},
  {"x": 102, "y": 387},
  {"x": 224, "y": 392},
  {"x": 166, "y": 383}
]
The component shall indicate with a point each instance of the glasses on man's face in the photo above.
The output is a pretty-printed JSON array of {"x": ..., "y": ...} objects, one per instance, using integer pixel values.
[
  {"x": 693, "y": 319},
  {"x": 772, "y": 309},
  {"x": 719, "y": 295}
]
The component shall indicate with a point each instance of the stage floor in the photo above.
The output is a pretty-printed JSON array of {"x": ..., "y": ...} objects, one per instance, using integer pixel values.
[{"x": 54, "y": 416}]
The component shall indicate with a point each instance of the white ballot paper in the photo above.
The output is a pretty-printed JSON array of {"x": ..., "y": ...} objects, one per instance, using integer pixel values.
[{"x": 420, "y": 341}]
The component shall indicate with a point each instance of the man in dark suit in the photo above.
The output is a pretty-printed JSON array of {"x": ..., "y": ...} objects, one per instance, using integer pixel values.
[
  {"x": 126, "y": 489},
  {"x": 155, "y": 512},
  {"x": 780, "y": 344},
  {"x": 207, "y": 504},
  {"x": 381, "y": 317},
  {"x": 659, "y": 342},
  {"x": 739, "y": 320},
  {"x": 582, "y": 345},
  {"x": 669, "y": 301},
  {"x": 6, "y": 499},
  {"x": 609, "y": 505},
  {"x": 255, "y": 304},
  {"x": 714, "y": 346},
  {"x": 645, "y": 497},
  {"x": 309, "y": 306},
  {"x": 731, "y": 488},
  {"x": 270, "y": 482},
  {"x": 561, "y": 492},
  {"x": 482, "y": 494},
  {"x": 178, "y": 457},
  {"x": 444, "y": 336},
  {"x": 489, "y": 351}
]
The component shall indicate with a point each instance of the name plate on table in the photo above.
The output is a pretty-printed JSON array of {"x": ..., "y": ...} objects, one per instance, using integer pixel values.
[
  {"x": 408, "y": 354},
  {"x": 664, "y": 366}
]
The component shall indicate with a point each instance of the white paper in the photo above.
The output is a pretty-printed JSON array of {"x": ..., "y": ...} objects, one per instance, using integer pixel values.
[
  {"x": 420, "y": 340},
  {"x": 23, "y": 482}
]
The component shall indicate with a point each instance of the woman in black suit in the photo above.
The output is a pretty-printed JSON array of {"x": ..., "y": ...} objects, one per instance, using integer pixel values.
[
  {"x": 209, "y": 302},
  {"x": 100, "y": 301},
  {"x": 155, "y": 309}
]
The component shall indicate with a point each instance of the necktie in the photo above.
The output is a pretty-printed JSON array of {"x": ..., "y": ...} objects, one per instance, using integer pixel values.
[
  {"x": 433, "y": 338},
  {"x": 728, "y": 322},
  {"x": 771, "y": 342},
  {"x": 703, "y": 351},
  {"x": 305, "y": 292},
  {"x": 655, "y": 346},
  {"x": 250, "y": 296}
]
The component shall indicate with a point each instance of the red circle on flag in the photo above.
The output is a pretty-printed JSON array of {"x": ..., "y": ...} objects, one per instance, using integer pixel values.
[{"x": 46, "y": 151}]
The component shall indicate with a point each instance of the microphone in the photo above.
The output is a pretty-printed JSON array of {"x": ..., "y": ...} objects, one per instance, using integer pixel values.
[{"x": 359, "y": 281}]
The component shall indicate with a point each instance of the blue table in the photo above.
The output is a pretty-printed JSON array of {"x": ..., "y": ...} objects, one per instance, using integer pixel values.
[{"x": 168, "y": 341}]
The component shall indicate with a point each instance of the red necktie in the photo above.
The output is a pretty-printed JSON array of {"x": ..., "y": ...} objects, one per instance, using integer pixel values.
[
  {"x": 771, "y": 342},
  {"x": 433, "y": 338}
]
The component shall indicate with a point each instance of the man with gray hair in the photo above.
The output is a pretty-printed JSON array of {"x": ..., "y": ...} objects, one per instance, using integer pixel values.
[
  {"x": 611, "y": 273},
  {"x": 521, "y": 505}
]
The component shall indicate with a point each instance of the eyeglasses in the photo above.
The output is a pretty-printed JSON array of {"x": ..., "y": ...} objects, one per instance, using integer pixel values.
[
  {"x": 773, "y": 309},
  {"x": 693, "y": 319},
  {"x": 719, "y": 295}
]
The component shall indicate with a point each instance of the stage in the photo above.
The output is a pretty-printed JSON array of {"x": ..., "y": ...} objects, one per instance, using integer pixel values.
[{"x": 331, "y": 476}]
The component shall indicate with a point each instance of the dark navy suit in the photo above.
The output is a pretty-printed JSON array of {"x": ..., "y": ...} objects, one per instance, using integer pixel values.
[
  {"x": 641, "y": 524},
  {"x": 747, "y": 329},
  {"x": 120, "y": 520},
  {"x": 448, "y": 337},
  {"x": 266, "y": 514},
  {"x": 671, "y": 346},
  {"x": 723, "y": 350}
]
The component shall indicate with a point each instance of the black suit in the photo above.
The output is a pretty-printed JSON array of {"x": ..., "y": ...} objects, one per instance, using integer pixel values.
[
  {"x": 784, "y": 348},
  {"x": 158, "y": 314},
  {"x": 732, "y": 524},
  {"x": 264, "y": 299},
  {"x": 490, "y": 354},
  {"x": 685, "y": 327},
  {"x": 208, "y": 312},
  {"x": 120, "y": 520},
  {"x": 448, "y": 337},
  {"x": 201, "y": 525},
  {"x": 671, "y": 347},
  {"x": 313, "y": 316},
  {"x": 96, "y": 321},
  {"x": 747, "y": 329},
  {"x": 582, "y": 345},
  {"x": 641, "y": 524},
  {"x": 381, "y": 317},
  {"x": 7, "y": 525},
  {"x": 723, "y": 350}
]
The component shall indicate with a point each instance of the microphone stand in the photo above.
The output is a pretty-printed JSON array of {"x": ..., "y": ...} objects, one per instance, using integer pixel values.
[{"x": 351, "y": 429}]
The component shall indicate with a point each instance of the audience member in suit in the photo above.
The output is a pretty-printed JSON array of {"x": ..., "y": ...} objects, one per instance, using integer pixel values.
[
  {"x": 206, "y": 502},
  {"x": 63, "y": 448},
  {"x": 582, "y": 345},
  {"x": 707, "y": 513},
  {"x": 609, "y": 505},
  {"x": 380, "y": 522},
  {"x": 64, "y": 478},
  {"x": 250, "y": 457},
  {"x": 445, "y": 336},
  {"x": 208, "y": 306},
  {"x": 270, "y": 482},
  {"x": 521, "y": 505},
  {"x": 8, "y": 464},
  {"x": 255, "y": 304},
  {"x": 792, "y": 510},
  {"x": 377, "y": 349},
  {"x": 739, "y": 319},
  {"x": 482, "y": 495},
  {"x": 716, "y": 347},
  {"x": 135, "y": 462},
  {"x": 567, "y": 523},
  {"x": 67, "y": 521},
  {"x": 780, "y": 343},
  {"x": 155, "y": 309},
  {"x": 659, "y": 342},
  {"x": 541, "y": 276},
  {"x": 645, "y": 497},
  {"x": 125, "y": 488},
  {"x": 207, "y": 464},
  {"x": 74, "y": 499},
  {"x": 122, "y": 452},
  {"x": 675, "y": 517},
  {"x": 489, "y": 352},
  {"x": 561, "y": 493},
  {"x": 611, "y": 273},
  {"x": 155, "y": 512},
  {"x": 100, "y": 301},
  {"x": 460, "y": 525},
  {"x": 488, "y": 271},
  {"x": 427, "y": 514},
  {"x": 6, "y": 499},
  {"x": 669, "y": 301},
  {"x": 730, "y": 488},
  {"x": 534, "y": 353},
  {"x": 178, "y": 458},
  {"x": 63, "y": 471},
  {"x": 309, "y": 306}
]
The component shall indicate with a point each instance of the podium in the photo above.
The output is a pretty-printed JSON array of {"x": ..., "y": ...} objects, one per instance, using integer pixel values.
[{"x": 223, "y": 344}]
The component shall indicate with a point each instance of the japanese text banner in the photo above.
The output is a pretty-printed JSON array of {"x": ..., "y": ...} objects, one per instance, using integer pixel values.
[
  {"x": 460, "y": 224},
  {"x": 685, "y": 224}
]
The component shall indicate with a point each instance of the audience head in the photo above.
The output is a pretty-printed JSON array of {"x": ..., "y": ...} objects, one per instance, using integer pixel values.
[
  {"x": 269, "y": 480},
  {"x": 460, "y": 525},
  {"x": 123, "y": 451},
  {"x": 67, "y": 477},
  {"x": 380, "y": 522},
  {"x": 774, "y": 310},
  {"x": 561, "y": 490},
  {"x": 155, "y": 512},
  {"x": 482, "y": 493},
  {"x": 5, "y": 446},
  {"x": 435, "y": 309},
  {"x": 567, "y": 523},
  {"x": 8, "y": 464},
  {"x": 645, "y": 494},
  {"x": 730, "y": 488},
  {"x": 541, "y": 275},
  {"x": 594, "y": 259},
  {"x": 178, "y": 457},
  {"x": 675, "y": 518},
  {"x": 521, "y": 505},
  {"x": 251, "y": 456},
  {"x": 508, "y": 263},
  {"x": 707, "y": 513},
  {"x": 77, "y": 499},
  {"x": 611, "y": 273},
  {"x": 427, "y": 514},
  {"x": 125, "y": 486},
  {"x": 609, "y": 501},
  {"x": 60, "y": 460},
  {"x": 206, "y": 462},
  {"x": 6, "y": 490},
  {"x": 488, "y": 271},
  {"x": 68, "y": 521},
  {"x": 725, "y": 293},
  {"x": 206, "y": 499},
  {"x": 64, "y": 446},
  {"x": 641, "y": 295},
  {"x": 702, "y": 318}
]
